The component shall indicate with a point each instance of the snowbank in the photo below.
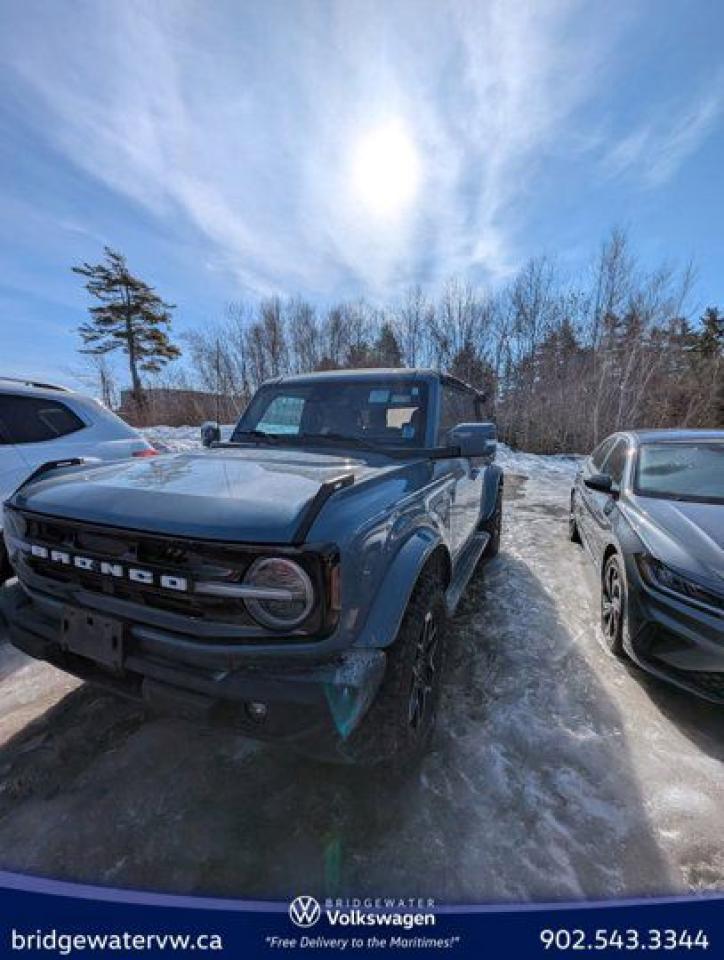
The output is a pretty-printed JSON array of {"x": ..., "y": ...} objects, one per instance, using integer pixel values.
[
  {"x": 175, "y": 439},
  {"x": 537, "y": 464}
]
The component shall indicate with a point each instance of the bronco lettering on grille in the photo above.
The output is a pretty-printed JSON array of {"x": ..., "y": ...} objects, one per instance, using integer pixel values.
[{"x": 167, "y": 581}]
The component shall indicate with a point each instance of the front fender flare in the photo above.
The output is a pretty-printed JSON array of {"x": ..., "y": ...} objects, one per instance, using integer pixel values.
[
  {"x": 388, "y": 608},
  {"x": 492, "y": 481}
]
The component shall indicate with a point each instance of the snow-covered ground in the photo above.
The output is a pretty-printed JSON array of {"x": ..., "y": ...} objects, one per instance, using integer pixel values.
[
  {"x": 557, "y": 772},
  {"x": 179, "y": 438}
]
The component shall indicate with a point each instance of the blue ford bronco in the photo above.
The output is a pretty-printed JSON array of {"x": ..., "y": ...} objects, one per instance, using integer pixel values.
[{"x": 294, "y": 580}]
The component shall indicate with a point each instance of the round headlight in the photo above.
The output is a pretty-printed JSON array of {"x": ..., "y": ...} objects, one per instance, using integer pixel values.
[{"x": 290, "y": 595}]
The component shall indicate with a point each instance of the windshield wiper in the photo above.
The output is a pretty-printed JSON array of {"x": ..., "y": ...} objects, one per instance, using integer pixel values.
[
  {"x": 296, "y": 439},
  {"x": 254, "y": 435},
  {"x": 340, "y": 438}
]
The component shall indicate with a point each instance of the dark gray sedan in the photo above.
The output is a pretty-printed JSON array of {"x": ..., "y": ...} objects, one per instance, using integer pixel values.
[{"x": 649, "y": 508}]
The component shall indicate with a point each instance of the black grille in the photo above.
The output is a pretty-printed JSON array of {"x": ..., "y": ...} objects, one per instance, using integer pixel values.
[
  {"x": 711, "y": 682},
  {"x": 158, "y": 558},
  {"x": 655, "y": 641},
  {"x": 196, "y": 560},
  {"x": 706, "y": 681}
]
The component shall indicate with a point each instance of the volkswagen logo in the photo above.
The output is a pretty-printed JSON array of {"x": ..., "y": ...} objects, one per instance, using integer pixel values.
[{"x": 304, "y": 911}]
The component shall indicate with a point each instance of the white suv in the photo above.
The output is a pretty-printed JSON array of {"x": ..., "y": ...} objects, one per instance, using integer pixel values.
[{"x": 40, "y": 422}]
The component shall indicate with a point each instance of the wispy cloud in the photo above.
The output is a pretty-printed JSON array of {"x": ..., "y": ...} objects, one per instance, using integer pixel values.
[
  {"x": 240, "y": 121},
  {"x": 655, "y": 151}
]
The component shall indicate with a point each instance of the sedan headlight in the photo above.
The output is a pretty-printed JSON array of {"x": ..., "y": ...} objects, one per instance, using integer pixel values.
[
  {"x": 657, "y": 574},
  {"x": 285, "y": 594}
]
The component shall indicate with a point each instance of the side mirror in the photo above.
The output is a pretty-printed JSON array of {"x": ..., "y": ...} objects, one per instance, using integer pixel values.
[
  {"x": 601, "y": 482},
  {"x": 210, "y": 433},
  {"x": 475, "y": 439}
]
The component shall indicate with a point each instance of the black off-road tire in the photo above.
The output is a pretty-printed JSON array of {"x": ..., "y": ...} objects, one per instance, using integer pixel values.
[
  {"x": 574, "y": 534},
  {"x": 613, "y": 606},
  {"x": 494, "y": 526},
  {"x": 393, "y": 732}
]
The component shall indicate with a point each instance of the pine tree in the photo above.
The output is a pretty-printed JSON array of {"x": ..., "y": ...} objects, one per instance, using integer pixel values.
[
  {"x": 467, "y": 365},
  {"x": 711, "y": 350},
  {"x": 130, "y": 316},
  {"x": 711, "y": 338},
  {"x": 386, "y": 351}
]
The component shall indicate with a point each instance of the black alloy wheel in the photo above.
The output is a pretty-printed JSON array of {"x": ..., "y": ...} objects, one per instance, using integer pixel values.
[
  {"x": 573, "y": 533},
  {"x": 398, "y": 727},
  {"x": 613, "y": 605},
  {"x": 424, "y": 668}
]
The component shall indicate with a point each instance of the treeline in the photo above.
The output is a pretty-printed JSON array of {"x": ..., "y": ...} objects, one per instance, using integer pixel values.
[{"x": 563, "y": 361}]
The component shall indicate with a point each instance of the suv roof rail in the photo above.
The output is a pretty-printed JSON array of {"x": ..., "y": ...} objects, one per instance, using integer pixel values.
[{"x": 35, "y": 383}]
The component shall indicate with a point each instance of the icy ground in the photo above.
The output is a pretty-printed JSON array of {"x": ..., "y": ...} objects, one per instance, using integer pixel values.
[{"x": 557, "y": 772}]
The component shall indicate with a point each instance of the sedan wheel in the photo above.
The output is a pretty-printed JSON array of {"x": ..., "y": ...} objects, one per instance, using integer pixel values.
[
  {"x": 573, "y": 534},
  {"x": 613, "y": 606}
]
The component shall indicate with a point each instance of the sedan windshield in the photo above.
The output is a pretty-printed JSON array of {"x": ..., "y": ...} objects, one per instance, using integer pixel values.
[
  {"x": 363, "y": 413},
  {"x": 682, "y": 471}
]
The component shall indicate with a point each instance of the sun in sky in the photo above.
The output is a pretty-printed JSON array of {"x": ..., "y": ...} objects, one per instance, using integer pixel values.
[
  {"x": 385, "y": 170},
  {"x": 344, "y": 149}
]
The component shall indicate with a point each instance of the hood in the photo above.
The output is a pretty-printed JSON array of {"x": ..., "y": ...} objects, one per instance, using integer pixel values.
[
  {"x": 257, "y": 495},
  {"x": 686, "y": 536}
]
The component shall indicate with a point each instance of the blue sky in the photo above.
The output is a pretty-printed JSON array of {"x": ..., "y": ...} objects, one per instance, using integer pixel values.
[{"x": 336, "y": 149}]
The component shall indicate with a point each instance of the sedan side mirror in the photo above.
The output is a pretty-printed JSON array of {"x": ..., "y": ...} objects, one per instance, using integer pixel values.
[
  {"x": 474, "y": 439},
  {"x": 210, "y": 433},
  {"x": 601, "y": 482}
]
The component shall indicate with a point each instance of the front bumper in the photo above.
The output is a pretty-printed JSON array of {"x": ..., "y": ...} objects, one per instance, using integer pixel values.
[
  {"x": 676, "y": 640},
  {"x": 309, "y": 703}
]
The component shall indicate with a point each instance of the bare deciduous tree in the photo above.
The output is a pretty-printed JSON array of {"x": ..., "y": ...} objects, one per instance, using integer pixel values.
[{"x": 564, "y": 363}]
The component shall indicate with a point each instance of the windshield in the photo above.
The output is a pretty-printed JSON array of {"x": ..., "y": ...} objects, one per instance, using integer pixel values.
[
  {"x": 684, "y": 471},
  {"x": 379, "y": 413}
]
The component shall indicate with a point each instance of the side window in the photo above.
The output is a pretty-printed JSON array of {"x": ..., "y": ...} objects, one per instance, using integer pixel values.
[
  {"x": 458, "y": 406},
  {"x": 616, "y": 461},
  {"x": 34, "y": 420},
  {"x": 601, "y": 452},
  {"x": 283, "y": 415}
]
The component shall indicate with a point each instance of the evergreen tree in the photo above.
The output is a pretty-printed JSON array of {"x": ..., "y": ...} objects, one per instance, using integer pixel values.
[
  {"x": 359, "y": 356},
  {"x": 711, "y": 338},
  {"x": 130, "y": 316},
  {"x": 467, "y": 365},
  {"x": 386, "y": 351},
  {"x": 711, "y": 349}
]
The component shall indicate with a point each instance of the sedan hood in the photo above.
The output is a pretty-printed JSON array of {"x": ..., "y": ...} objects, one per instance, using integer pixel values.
[
  {"x": 247, "y": 494},
  {"x": 684, "y": 535}
]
